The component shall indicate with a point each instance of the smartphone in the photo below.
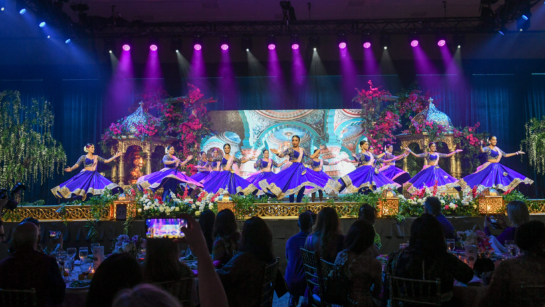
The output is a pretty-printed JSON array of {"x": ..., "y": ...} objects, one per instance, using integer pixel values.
[
  {"x": 165, "y": 228},
  {"x": 52, "y": 233}
]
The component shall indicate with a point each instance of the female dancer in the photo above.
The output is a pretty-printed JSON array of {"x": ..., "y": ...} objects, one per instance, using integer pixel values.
[
  {"x": 492, "y": 174},
  {"x": 431, "y": 173},
  {"x": 294, "y": 179},
  {"x": 88, "y": 181},
  {"x": 365, "y": 176},
  {"x": 264, "y": 166},
  {"x": 214, "y": 167},
  {"x": 390, "y": 170},
  {"x": 169, "y": 177},
  {"x": 227, "y": 180},
  {"x": 317, "y": 165},
  {"x": 203, "y": 168}
]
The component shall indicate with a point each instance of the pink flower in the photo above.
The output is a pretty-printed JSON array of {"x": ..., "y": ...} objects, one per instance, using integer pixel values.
[{"x": 446, "y": 207}]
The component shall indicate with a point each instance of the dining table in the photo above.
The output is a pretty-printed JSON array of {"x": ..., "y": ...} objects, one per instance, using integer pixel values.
[{"x": 74, "y": 297}]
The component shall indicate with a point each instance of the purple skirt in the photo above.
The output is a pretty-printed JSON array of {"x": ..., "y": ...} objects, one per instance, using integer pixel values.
[
  {"x": 85, "y": 184},
  {"x": 322, "y": 177},
  {"x": 230, "y": 182},
  {"x": 495, "y": 176},
  {"x": 211, "y": 175},
  {"x": 396, "y": 174},
  {"x": 427, "y": 177},
  {"x": 257, "y": 177},
  {"x": 200, "y": 176},
  {"x": 295, "y": 178},
  {"x": 366, "y": 177},
  {"x": 157, "y": 180}
]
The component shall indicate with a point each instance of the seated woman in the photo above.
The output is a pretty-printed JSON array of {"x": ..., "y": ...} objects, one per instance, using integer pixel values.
[
  {"x": 326, "y": 239},
  {"x": 242, "y": 277},
  {"x": 360, "y": 265},
  {"x": 226, "y": 236},
  {"x": 505, "y": 288},
  {"x": 427, "y": 258},
  {"x": 518, "y": 214}
]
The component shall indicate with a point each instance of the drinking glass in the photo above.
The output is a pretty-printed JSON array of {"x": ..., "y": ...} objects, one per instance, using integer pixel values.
[
  {"x": 61, "y": 257},
  {"x": 68, "y": 268},
  {"x": 83, "y": 252},
  {"x": 92, "y": 247},
  {"x": 86, "y": 267},
  {"x": 71, "y": 252},
  {"x": 451, "y": 243}
]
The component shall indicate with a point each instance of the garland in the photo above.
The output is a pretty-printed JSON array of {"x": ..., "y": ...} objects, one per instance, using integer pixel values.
[{"x": 535, "y": 143}]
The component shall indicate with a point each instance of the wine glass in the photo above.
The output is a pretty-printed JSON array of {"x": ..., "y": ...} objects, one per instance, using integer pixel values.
[
  {"x": 86, "y": 267},
  {"x": 451, "y": 243},
  {"x": 61, "y": 257},
  {"x": 83, "y": 252},
  {"x": 71, "y": 252},
  {"x": 68, "y": 268}
]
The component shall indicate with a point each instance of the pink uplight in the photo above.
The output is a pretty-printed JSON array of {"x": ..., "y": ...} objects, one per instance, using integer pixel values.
[
  {"x": 197, "y": 47},
  {"x": 153, "y": 47},
  {"x": 272, "y": 46},
  {"x": 441, "y": 43},
  {"x": 126, "y": 47},
  {"x": 414, "y": 43},
  {"x": 224, "y": 47},
  {"x": 295, "y": 46},
  {"x": 367, "y": 45},
  {"x": 342, "y": 45}
]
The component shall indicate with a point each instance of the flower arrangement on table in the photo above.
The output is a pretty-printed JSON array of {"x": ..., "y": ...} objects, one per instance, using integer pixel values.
[
  {"x": 477, "y": 238},
  {"x": 150, "y": 205},
  {"x": 124, "y": 244}
]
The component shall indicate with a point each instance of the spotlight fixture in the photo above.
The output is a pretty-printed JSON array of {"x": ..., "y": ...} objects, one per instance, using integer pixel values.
[
  {"x": 271, "y": 42},
  {"x": 314, "y": 42},
  {"x": 413, "y": 40},
  {"x": 441, "y": 43},
  {"x": 246, "y": 43},
  {"x": 110, "y": 51},
  {"x": 19, "y": 7},
  {"x": 385, "y": 41},
  {"x": 176, "y": 44},
  {"x": 502, "y": 30},
  {"x": 2, "y": 5},
  {"x": 197, "y": 42},
  {"x": 126, "y": 47},
  {"x": 49, "y": 36},
  {"x": 523, "y": 24},
  {"x": 294, "y": 40},
  {"x": 527, "y": 13},
  {"x": 366, "y": 41},
  {"x": 109, "y": 45},
  {"x": 342, "y": 41},
  {"x": 22, "y": 11},
  {"x": 153, "y": 47},
  {"x": 42, "y": 24},
  {"x": 224, "y": 42},
  {"x": 68, "y": 41},
  {"x": 153, "y": 44},
  {"x": 125, "y": 44},
  {"x": 459, "y": 40}
]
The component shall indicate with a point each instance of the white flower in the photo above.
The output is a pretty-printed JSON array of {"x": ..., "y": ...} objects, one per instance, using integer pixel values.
[
  {"x": 161, "y": 209},
  {"x": 139, "y": 210},
  {"x": 197, "y": 213},
  {"x": 177, "y": 209},
  {"x": 193, "y": 207},
  {"x": 210, "y": 206},
  {"x": 420, "y": 200},
  {"x": 442, "y": 201},
  {"x": 465, "y": 203},
  {"x": 198, "y": 203},
  {"x": 452, "y": 206}
]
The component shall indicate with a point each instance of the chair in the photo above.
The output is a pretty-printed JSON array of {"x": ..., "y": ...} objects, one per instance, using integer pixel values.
[
  {"x": 17, "y": 298},
  {"x": 417, "y": 292},
  {"x": 532, "y": 295},
  {"x": 312, "y": 276},
  {"x": 269, "y": 282},
  {"x": 181, "y": 289},
  {"x": 326, "y": 267}
]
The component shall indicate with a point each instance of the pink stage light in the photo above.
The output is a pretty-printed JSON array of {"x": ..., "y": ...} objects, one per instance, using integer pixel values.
[
  {"x": 224, "y": 47},
  {"x": 414, "y": 43},
  {"x": 272, "y": 46},
  {"x": 295, "y": 46},
  {"x": 126, "y": 47},
  {"x": 197, "y": 47},
  {"x": 153, "y": 47},
  {"x": 342, "y": 45},
  {"x": 441, "y": 43},
  {"x": 367, "y": 45}
]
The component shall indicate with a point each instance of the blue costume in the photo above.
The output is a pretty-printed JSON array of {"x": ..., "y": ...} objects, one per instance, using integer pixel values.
[
  {"x": 227, "y": 180},
  {"x": 430, "y": 174},
  {"x": 365, "y": 176}
]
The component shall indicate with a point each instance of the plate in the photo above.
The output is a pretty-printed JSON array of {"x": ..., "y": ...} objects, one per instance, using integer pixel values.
[{"x": 80, "y": 284}]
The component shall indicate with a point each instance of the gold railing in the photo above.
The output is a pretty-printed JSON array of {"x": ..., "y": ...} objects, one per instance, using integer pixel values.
[{"x": 50, "y": 213}]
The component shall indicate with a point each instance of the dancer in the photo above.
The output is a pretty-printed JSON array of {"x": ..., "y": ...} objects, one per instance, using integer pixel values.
[
  {"x": 214, "y": 164},
  {"x": 365, "y": 176},
  {"x": 390, "y": 170},
  {"x": 169, "y": 177},
  {"x": 264, "y": 166},
  {"x": 492, "y": 174},
  {"x": 431, "y": 173},
  {"x": 294, "y": 179},
  {"x": 317, "y": 165},
  {"x": 227, "y": 180},
  {"x": 88, "y": 182},
  {"x": 203, "y": 168}
]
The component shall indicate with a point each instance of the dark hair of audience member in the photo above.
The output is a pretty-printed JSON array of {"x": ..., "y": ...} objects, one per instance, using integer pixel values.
[
  {"x": 145, "y": 295},
  {"x": 206, "y": 221},
  {"x": 162, "y": 262},
  {"x": 530, "y": 237},
  {"x": 427, "y": 236},
  {"x": 360, "y": 237},
  {"x": 367, "y": 213},
  {"x": 226, "y": 224},
  {"x": 119, "y": 271},
  {"x": 305, "y": 221},
  {"x": 327, "y": 228},
  {"x": 257, "y": 239},
  {"x": 313, "y": 216},
  {"x": 32, "y": 220},
  {"x": 25, "y": 237},
  {"x": 433, "y": 205}
]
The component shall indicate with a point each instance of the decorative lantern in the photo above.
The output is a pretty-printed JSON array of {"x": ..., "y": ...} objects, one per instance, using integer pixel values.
[
  {"x": 389, "y": 205},
  {"x": 225, "y": 202},
  {"x": 490, "y": 202},
  {"x": 119, "y": 210}
]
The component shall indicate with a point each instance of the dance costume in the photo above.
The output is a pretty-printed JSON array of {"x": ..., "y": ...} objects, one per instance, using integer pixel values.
[
  {"x": 201, "y": 174},
  {"x": 168, "y": 178},
  {"x": 318, "y": 170},
  {"x": 365, "y": 176},
  {"x": 393, "y": 173},
  {"x": 494, "y": 175},
  {"x": 431, "y": 174},
  {"x": 213, "y": 173},
  {"x": 264, "y": 171},
  {"x": 87, "y": 182},
  {"x": 227, "y": 180}
]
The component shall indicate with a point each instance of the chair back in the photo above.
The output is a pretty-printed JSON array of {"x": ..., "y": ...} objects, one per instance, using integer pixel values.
[
  {"x": 329, "y": 295},
  {"x": 180, "y": 289},
  {"x": 269, "y": 283},
  {"x": 17, "y": 298},
  {"x": 532, "y": 295},
  {"x": 312, "y": 276},
  {"x": 416, "y": 291}
]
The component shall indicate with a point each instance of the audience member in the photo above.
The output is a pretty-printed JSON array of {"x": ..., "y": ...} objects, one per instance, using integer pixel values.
[
  {"x": 427, "y": 257},
  {"x": 28, "y": 268},
  {"x": 242, "y": 277},
  {"x": 518, "y": 214},
  {"x": 326, "y": 239},
  {"x": 206, "y": 221},
  {"x": 145, "y": 295},
  {"x": 162, "y": 262},
  {"x": 2, "y": 233},
  {"x": 295, "y": 276},
  {"x": 529, "y": 268},
  {"x": 3, "y": 246},
  {"x": 117, "y": 272},
  {"x": 359, "y": 264},
  {"x": 369, "y": 214},
  {"x": 53, "y": 245},
  {"x": 432, "y": 205},
  {"x": 226, "y": 236}
]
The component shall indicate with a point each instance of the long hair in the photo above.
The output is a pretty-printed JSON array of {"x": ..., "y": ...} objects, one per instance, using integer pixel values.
[
  {"x": 145, "y": 295},
  {"x": 226, "y": 224},
  {"x": 360, "y": 237},
  {"x": 257, "y": 239},
  {"x": 518, "y": 214},
  {"x": 161, "y": 263},
  {"x": 427, "y": 236},
  {"x": 326, "y": 230},
  {"x": 206, "y": 220}
]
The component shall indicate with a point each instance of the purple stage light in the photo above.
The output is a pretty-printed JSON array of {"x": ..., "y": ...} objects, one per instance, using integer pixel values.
[
  {"x": 126, "y": 47},
  {"x": 367, "y": 45},
  {"x": 295, "y": 46},
  {"x": 272, "y": 46},
  {"x": 153, "y": 47},
  {"x": 224, "y": 47},
  {"x": 197, "y": 47},
  {"x": 342, "y": 45},
  {"x": 414, "y": 43},
  {"x": 441, "y": 43}
]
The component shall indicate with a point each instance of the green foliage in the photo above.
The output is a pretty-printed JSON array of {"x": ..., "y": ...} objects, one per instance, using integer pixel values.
[
  {"x": 99, "y": 206},
  {"x": 535, "y": 143},
  {"x": 513, "y": 195},
  {"x": 245, "y": 204}
]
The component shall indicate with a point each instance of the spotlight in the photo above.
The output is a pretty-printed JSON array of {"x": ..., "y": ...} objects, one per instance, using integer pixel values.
[
  {"x": 246, "y": 43},
  {"x": 126, "y": 47},
  {"x": 503, "y": 30},
  {"x": 342, "y": 41},
  {"x": 110, "y": 51},
  {"x": 527, "y": 14},
  {"x": 271, "y": 46},
  {"x": 342, "y": 45},
  {"x": 22, "y": 11},
  {"x": 525, "y": 17},
  {"x": 197, "y": 42},
  {"x": 153, "y": 47},
  {"x": 385, "y": 47},
  {"x": 271, "y": 42},
  {"x": 413, "y": 40},
  {"x": 314, "y": 41},
  {"x": 2, "y": 9},
  {"x": 42, "y": 24},
  {"x": 109, "y": 45},
  {"x": 176, "y": 44},
  {"x": 441, "y": 43},
  {"x": 414, "y": 43},
  {"x": 384, "y": 41},
  {"x": 224, "y": 43},
  {"x": 459, "y": 40},
  {"x": 295, "y": 43},
  {"x": 49, "y": 36},
  {"x": 247, "y": 50},
  {"x": 459, "y": 46},
  {"x": 224, "y": 47},
  {"x": 367, "y": 45},
  {"x": 68, "y": 41},
  {"x": 197, "y": 47},
  {"x": 366, "y": 41},
  {"x": 294, "y": 46}
]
